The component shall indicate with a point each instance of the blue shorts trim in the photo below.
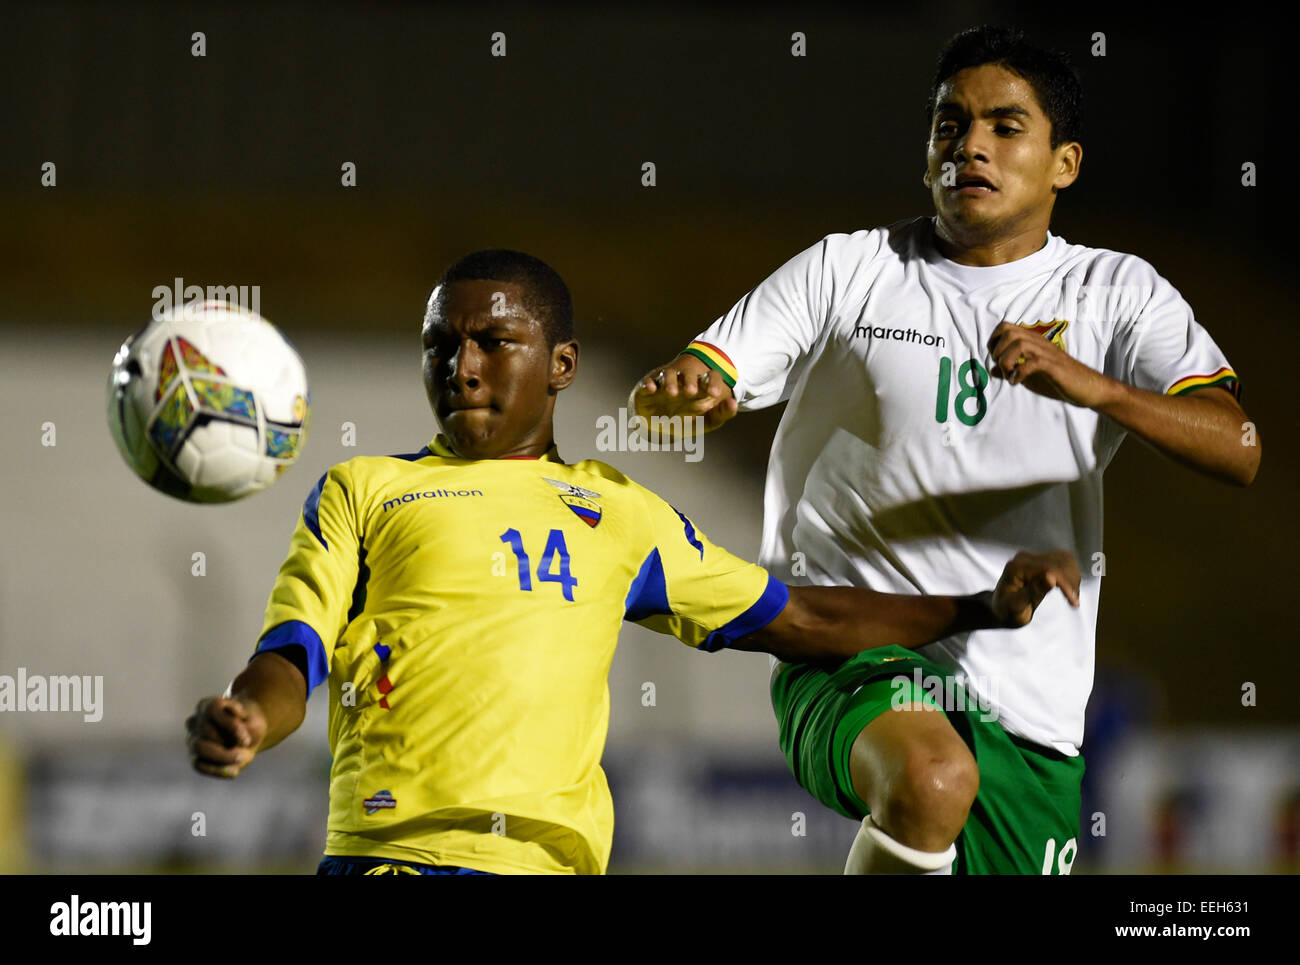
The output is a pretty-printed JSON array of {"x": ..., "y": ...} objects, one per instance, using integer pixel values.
[{"x": 335, "y": 865}]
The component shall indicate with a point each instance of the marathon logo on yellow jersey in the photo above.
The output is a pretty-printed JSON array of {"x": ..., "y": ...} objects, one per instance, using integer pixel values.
[
  {"x": 384, "y": 800},
  {"x": 581, "y": 501},
  {"x": 429, "y": 494},
  {"x": 1053, "y": 331}
]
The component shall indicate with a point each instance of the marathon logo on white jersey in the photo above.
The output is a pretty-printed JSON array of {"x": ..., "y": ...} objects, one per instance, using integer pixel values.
[
  {"x": 899, "y": 335},
  {"x": 81, "y": 694},
  {"x": 102, "y": 918},
  {"x": 949, "y": 693}
]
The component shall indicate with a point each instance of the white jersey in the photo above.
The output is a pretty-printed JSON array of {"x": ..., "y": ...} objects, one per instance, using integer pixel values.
[{"x": 900, "y": 465}]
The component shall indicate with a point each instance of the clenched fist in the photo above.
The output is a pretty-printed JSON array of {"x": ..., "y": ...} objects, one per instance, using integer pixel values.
[{"x": 223, "y": 735}]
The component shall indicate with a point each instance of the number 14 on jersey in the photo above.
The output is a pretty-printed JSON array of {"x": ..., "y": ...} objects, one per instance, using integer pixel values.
[{"x": 555, "y": 549}]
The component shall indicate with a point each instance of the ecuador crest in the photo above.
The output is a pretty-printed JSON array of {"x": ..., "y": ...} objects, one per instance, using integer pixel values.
[{"x": 581, "y": 501}]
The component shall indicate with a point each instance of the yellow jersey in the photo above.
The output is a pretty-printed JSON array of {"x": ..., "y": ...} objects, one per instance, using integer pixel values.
[{"x": 465, "y": 614}]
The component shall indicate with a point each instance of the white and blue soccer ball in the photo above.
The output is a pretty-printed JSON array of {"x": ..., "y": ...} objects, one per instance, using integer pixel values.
[{"x": 208, "y": 402}]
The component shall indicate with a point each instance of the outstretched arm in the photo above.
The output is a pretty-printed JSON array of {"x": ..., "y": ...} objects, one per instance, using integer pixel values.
[
  {"x": 836, "y": 622},
  {"x": 267, "y": 703}
]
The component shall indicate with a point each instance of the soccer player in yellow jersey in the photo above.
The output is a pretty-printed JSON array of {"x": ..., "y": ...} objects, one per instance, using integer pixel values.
[{"x": 469, "y": 700}]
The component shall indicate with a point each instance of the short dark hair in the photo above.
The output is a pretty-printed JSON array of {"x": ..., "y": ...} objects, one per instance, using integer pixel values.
[
  {"x": 546, "y": 297},
  {"x": 1049, "y": 73}
]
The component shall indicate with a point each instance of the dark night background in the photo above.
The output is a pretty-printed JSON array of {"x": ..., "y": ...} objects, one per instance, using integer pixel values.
[{"x": 228, "y": 166}]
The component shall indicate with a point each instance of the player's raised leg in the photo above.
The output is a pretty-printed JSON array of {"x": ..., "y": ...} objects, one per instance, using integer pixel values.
[
  {"x": 918, "y": 779},
  {"x": 938, "y": 790},
  {"x": 861, "y": 740}
]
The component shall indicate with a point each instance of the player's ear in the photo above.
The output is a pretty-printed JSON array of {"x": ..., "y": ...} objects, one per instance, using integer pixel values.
[
  {"x": 564, "y": 365},
  {"x": 1069, "y": 160}
]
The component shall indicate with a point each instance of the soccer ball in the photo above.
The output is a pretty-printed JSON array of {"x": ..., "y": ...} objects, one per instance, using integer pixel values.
[{"x": 208, "y": 402}]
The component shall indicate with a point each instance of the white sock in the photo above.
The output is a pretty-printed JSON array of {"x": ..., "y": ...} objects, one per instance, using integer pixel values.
[{"x": 876, "y": 853}]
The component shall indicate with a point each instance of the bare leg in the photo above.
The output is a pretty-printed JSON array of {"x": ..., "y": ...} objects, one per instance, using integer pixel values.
[{"x": 919, "y": 780}]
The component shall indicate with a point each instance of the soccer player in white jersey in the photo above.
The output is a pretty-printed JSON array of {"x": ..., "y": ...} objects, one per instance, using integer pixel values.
[{"x": 955, "y": 387}]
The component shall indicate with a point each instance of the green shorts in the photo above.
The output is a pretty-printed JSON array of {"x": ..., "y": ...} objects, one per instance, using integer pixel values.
[{"x": 1025, "y": 817}]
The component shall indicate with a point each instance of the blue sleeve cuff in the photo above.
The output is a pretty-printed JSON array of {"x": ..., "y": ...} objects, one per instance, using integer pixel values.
[
  {"x": 297, "y": 633},
  {"x": 763, "y": 612}
]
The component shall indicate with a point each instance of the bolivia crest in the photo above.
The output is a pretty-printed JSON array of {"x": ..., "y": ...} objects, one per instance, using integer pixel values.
[
  {"x": 581, "y": 501},
  {"x": 1053, "y": 331}
]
